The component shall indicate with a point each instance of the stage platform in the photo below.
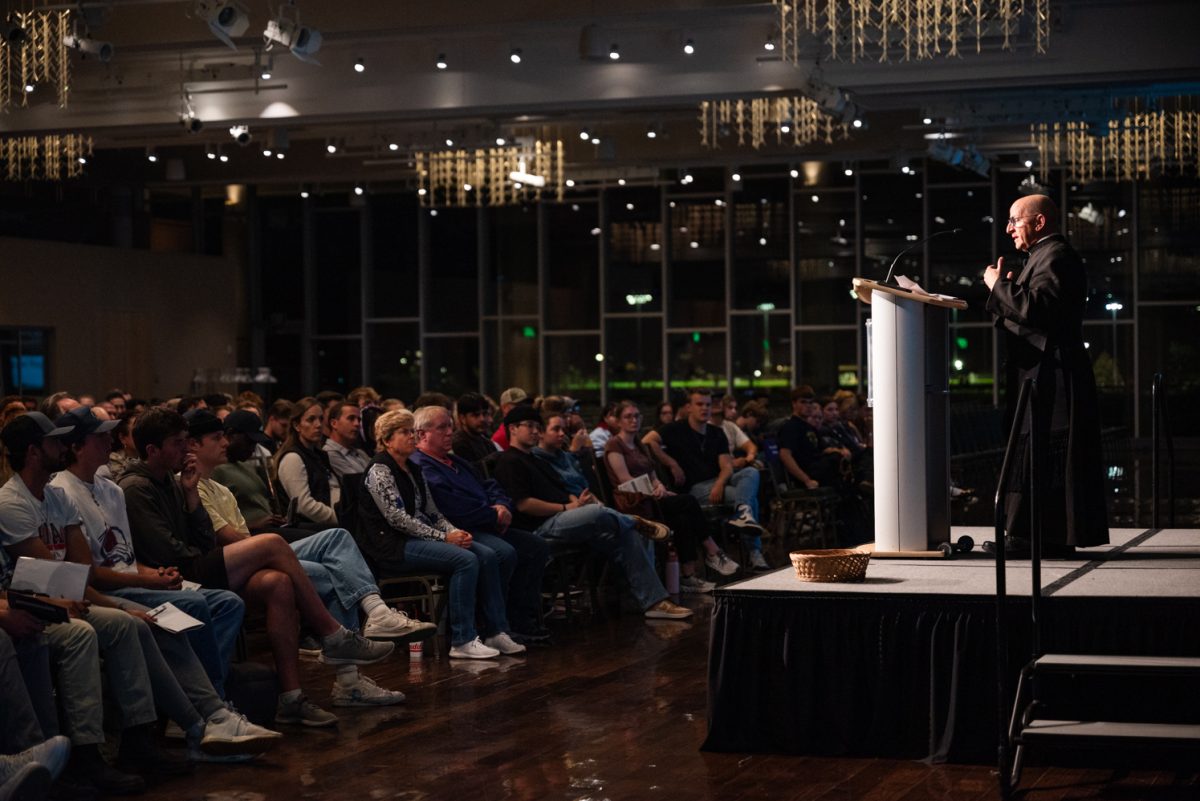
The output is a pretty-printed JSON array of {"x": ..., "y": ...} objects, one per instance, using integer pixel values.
[{"x": 903, "y": 664}]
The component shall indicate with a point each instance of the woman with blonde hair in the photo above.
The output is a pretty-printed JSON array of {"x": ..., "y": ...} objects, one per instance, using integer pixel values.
[{"x": 401, "y": 530}]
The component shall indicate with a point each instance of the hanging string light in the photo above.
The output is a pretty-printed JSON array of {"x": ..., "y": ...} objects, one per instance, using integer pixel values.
[
  {"x": 789, "y": 121},
  {"x": 40, "y": 62},
  {"x": 1140, "y": 145},
  {"x": 908, "y": 29},
  {"x": 493, "y": 176},
  {"x": 49, "y": 158}
]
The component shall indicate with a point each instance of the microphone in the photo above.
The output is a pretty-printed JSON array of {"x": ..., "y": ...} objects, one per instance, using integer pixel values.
[{"x": 888, "y": 280}]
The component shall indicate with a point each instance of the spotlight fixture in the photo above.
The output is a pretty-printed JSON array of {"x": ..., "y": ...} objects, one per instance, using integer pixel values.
[
  {"x": 651, "y": 133},
  {"x": 358, "y": 190},
  {"x": 736, "y": 177},
  {"x": 967, "y": 158},
  {"x": 209, "y": 153},
  {"x": 689, "y": 47},
  {"x": 769, "y": 45},
  {"x": 1028, "y": 164},
  {"x": 785, "y": 127},
  {"x": 360, "y": 66},
  {"x": 266, "y": 70},
  {"x": 267, "y": 152},
  {"x": 927, "y": 120},
  {"x": 304, "y": 194},
  {"x": 848, "y": 172},
  {"x": 191, "y": 124},
  {"x": 286, "y": 30},
  {"x": 81, "y": 159},
  {"x": 614, "y": 52},
  {"x": 441, "y": 61},
  {"x": 584, "y": 135},
  {"x": 794, "y": 172},
  {"x": 501, "y": 141},
  {"x": 595, "y": 140},
  {"x": 226, "y": 19},
  {"x": 857, "y": 123},
  {"x": 280, "y": 155},
  {"x": 515, "y": 55},
  {"x": 570, "y": 182},
  {"x": 449, "y": 142},
  {"x": 240, "y": 134},
  {"x": 29, "y": 87},
  {"x": 223, "y": 158},
  {"x": 392, "y": 146},
  {"x": 151, "y": 155},
  {"x": 331, "y": 148},
  {"x": 88, "y": 46}
]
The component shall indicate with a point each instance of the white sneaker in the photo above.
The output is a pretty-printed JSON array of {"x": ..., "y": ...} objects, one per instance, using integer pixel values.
[
  {"x": 721, "y": 563},
  {"x": 743, "y": 518},
  {"x": 364, "y": 692},
  {"x": 695, "y": 584},
  {"x": 504, "y": 644},
  {"x": 758, "y": 562},
  {"x": 393, "y": 624},
  {"x": 475, "y": 649},
  {"x": 229, "y": 733}
]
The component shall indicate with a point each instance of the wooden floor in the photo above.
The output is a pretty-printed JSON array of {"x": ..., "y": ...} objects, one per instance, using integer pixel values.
[{"x": 615, "y": 710}]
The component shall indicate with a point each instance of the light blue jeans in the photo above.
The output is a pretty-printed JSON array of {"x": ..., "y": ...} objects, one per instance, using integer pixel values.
[
  {"x": 474, "y": 573},
  {"x": 221, "y": 611},
  {"x": 741, "y": 488},
  {"x": 339, "y": 573},
  {"x": 612, "y": 535}
]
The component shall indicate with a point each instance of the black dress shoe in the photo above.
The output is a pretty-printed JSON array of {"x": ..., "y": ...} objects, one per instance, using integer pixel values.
[
  {"x": 1014, "y": 548},
  {"x": 540, "y": 636}
]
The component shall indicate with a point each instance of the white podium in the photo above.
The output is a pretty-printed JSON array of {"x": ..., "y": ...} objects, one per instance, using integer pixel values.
[{"x": 910, "y": 356}]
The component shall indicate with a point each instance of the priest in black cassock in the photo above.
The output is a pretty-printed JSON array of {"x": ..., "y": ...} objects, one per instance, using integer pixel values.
[{"x": 1040, "y": 311}]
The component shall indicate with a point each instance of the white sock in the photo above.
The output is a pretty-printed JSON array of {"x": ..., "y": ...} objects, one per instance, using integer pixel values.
[
  {"x": 373, "y": 605},
  {"x": 347, "y": 675}
]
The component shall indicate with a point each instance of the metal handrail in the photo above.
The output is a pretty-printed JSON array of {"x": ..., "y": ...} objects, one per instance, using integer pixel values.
[
  {"x": 1158, "y": 393},
  {"x": 1028, "y": 390}
]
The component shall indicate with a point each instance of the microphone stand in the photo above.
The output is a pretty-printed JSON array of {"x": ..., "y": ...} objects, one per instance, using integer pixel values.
[{"x": 913, "y": 246}]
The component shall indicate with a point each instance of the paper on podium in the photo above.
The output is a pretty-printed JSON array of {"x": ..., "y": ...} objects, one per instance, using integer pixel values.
[
  {"x": 912, "y": 286},
  {"x": 170, "y": 617},
  {"x": 643, "y": 484},
  {"x": 54, "y": 579}
]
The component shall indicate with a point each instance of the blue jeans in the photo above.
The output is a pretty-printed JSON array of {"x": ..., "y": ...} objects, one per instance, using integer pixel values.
[
  {"x": 339, "y": 573},
  {"x": 741, "y": 488},
  {"x": 221, "y": 611},
  {"x": 474, "y": 572},
  {"x": 611, "y": 534},
  {"x": 523, "y": 558}
]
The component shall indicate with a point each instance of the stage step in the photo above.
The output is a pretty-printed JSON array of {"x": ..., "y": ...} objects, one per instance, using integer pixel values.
[
  {"x": 1048, "y": 732},
  {"x": 1122, "y": 665}
]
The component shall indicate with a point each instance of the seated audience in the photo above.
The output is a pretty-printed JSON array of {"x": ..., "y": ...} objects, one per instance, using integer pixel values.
[
  {"x": 344, "y": 446},
  {"x": 277, "y": 424},
  {"x": 552, "y": 448},
  {"x": 509, "y": 398},
  {"x": 303, "y": 468},
  {"x": 116, "y": 399},
  {"x": 116, "y": 571},
  {"x": 170, "y": 527},
  {"x": 482, "y": 508},
  {"x": 57, "y": 403},
  {"x": 601, "y": 433},
  {"x": 626, "y": 459},
  {"x": 245, "y": 473},
  {"x": 665, "y": 414},
  {"x": 145, "y": 664},
  {"x": 742, "y": 449},
  {"x": 545, "y": 507},
  {"x": 471, "y": 440},
  {"x": 401, "y": 530},
  {"x": 330, "y": 559},
  {"x": 700, "y": 453}
]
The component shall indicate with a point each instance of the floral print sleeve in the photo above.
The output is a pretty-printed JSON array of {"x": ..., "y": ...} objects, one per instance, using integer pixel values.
[{"x": 382, "y": 486}]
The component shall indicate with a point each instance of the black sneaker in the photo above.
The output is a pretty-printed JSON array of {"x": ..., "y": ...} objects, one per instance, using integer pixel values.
[{"x": 139, "y": 753}]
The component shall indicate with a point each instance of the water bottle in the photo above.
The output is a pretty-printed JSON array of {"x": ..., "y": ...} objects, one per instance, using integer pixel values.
[{"x": 672, "y": 571}]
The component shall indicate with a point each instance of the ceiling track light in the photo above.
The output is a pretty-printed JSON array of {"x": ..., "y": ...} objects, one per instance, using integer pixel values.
[
  {"x": 515, "y": 55},
  {"x": 240, "y": 134},
  {"x": 441, "y": 62},
  {"x": 689, "y": 47},
  {"x": 226, "y": 19},
  {"x": 151, "y": 155},
  {"x": 79, "y": 40},
  {"x": 266, "y": 70},
  {"x": 330, "y": 148},
  {"x": 285, "y": 30},
  {"x": 614, "y": 52},
  {"x": 360, "y": 66}
]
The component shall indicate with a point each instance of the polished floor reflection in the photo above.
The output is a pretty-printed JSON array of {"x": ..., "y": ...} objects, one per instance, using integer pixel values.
[{"x": 614, "y": 710}]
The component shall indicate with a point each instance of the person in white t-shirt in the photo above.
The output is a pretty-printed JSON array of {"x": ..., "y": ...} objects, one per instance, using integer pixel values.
[{"x": 116, "y": 571}]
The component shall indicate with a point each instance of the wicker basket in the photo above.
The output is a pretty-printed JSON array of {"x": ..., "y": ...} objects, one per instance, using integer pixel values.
[{"x": 836, "y": 564}]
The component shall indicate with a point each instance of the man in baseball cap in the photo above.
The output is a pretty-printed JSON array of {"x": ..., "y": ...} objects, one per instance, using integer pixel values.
[
  {"x": 509, "y": 399},
  {"x": 26, "y": 431},
  {"x": 83, "y": 422}
]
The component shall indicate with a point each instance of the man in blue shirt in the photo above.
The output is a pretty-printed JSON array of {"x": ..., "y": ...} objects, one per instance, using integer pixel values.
[{"x": 482, "y": 508}]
